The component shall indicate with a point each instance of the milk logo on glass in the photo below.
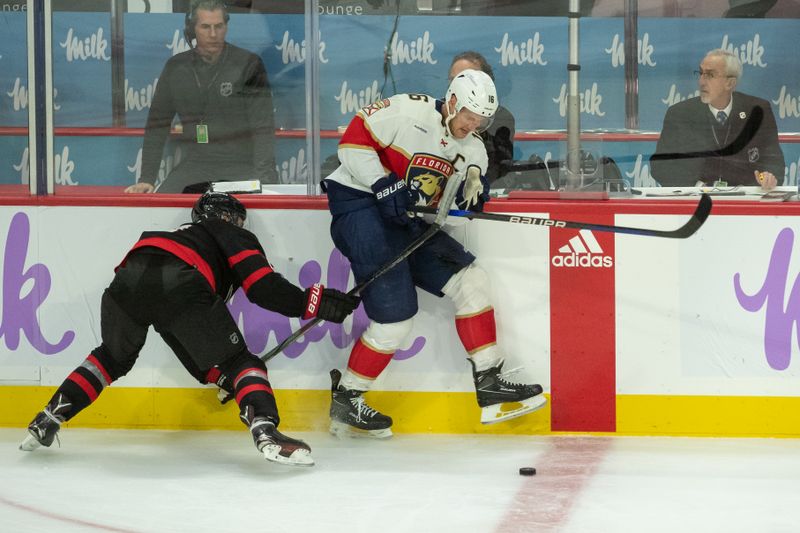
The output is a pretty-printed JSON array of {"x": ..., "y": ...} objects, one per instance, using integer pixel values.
[
  {"x": 351, "y": 100},
  {"x": 178, "y": 43},
  {"x": 419, "y": 50},
  {"x": 528, "y": 52},
  {"x": 139, "y": 98},
  {"x": 294, "y": 52},
  {"x": 294, "y": 169},
  {"x": 591, "y": 101},
  {"x": 644, "y": 54},
  {"x": 94, "y": 46},
  {"x": 19, "y": 97}
]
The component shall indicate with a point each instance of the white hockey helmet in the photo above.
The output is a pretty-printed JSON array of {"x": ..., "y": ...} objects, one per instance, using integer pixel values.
[{"x": 474, "y": 91}]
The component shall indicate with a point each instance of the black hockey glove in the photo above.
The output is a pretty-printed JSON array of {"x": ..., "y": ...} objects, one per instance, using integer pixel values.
[
  {"x": 329, "y": 304},
  {"x": 393, "y": 199}
]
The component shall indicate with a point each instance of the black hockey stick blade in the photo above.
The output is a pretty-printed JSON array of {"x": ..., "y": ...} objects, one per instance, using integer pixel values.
[{"x": 687, "y": 230}]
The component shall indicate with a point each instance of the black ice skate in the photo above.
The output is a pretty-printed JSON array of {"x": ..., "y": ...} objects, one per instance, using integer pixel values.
[
  {"x": 351, "y": 416},
  {"x": 276, "y": 446},
  {"x": 501, "y": 400},
  {"x": 44, "y": 427}
]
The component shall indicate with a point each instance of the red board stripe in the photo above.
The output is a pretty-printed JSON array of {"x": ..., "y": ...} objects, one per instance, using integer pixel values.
[{"x": 582, "y": 327}]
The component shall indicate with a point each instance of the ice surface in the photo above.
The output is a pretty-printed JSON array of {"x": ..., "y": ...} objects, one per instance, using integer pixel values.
[{"x": 215, "y": 481}]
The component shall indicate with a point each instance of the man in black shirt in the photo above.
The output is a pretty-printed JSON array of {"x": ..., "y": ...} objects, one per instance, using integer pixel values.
[
  {"x": 221, "y": 95},
  {"x": 178, "y": 282}
]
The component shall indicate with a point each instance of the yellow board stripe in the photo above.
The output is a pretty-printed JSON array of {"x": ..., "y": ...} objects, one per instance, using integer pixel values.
[
  {"x": 300, "y": 410},
  {"x": 414, "y": 412},
  {"x": 730, "y": 416}
]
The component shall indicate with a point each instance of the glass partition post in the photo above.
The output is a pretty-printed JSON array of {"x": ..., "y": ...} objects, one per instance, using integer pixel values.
[
  {"x": 40, "y": 98},
  {"x": 35, "y": 168},
  {"x": 45, "y": 183},
  {"x": 632, "y": 64},
  {"x": 118, "y": 63},
  {"x": 312, "y": 94},
  {"x": 573, "y": 101}
]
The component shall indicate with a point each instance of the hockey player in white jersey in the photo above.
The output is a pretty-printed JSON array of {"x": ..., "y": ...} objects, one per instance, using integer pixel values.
[{"x": 398, "y": 152}]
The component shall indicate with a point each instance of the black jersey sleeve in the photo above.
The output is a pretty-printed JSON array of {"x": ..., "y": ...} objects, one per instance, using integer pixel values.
[{"x": 250, "y": 267}]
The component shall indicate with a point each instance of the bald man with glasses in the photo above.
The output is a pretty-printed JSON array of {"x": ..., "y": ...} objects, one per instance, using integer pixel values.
[{"x": 720, "y": 138}]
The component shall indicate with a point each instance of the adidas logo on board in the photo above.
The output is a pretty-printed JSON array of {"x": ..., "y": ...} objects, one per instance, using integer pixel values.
[{"x": 582, "y": 250}]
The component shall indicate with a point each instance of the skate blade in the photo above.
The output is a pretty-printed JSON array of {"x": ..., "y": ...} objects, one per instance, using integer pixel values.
[
  {"x": 224, "y": 396},
  {"x": 299, "y": 457},
  {"x": 502, "y": 412},
  {"x": 340, "y": 429},
  {"x": 29, "y": 444}
]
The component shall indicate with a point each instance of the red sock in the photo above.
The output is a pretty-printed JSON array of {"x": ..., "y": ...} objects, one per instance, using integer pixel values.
[{"x": 477, "y": 331}]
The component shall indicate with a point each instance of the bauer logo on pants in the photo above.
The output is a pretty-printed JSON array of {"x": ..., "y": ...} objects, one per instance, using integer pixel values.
[{"x": 582, "y": 250}]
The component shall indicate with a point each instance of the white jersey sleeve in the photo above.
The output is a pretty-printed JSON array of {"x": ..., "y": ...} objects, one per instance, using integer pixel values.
[
  {"x": 369, "y": 136},
  {"x": 405, "y": 135}
]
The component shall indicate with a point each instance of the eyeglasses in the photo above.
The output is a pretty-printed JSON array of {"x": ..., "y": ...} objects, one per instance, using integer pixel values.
[{"x": 709, "y": 74}]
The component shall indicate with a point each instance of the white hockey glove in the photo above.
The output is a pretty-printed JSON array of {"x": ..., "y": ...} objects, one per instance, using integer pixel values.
[{"x": 475, "y": 190}]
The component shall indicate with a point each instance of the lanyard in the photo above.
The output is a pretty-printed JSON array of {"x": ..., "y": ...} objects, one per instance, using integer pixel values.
[{"x": 205, "y": 91}]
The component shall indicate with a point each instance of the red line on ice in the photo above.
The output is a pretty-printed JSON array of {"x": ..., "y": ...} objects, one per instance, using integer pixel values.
[
  {"x": 62, "y": 518},
  {"x": 544, "y": 501}
]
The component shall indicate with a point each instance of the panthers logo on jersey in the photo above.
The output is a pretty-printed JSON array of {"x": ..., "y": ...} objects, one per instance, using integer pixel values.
[
  {"x": 426, "y": 176},
  {"x": 375, "y": 107}
]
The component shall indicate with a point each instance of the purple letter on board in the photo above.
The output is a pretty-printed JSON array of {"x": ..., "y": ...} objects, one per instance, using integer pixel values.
[
  {"x": 781, "y": 316},
  {"x": 20, "y": 312}
]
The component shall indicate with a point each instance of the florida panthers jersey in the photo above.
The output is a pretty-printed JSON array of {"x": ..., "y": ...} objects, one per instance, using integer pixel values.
[{"x": 405, "y": 134}]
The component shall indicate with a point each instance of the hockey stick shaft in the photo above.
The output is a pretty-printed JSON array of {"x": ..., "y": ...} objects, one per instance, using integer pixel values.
[
  {"x": 355, "y": 291},
  {"x": 687, "y": 230},
  {"x": 446, "y": 200}
]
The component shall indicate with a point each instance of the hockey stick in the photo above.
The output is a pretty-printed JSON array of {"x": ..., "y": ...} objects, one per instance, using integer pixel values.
[
  {"x": 688, "y": 229},
  {"x": 445, "y": 201},
  {"x": 737, "y": 145}
]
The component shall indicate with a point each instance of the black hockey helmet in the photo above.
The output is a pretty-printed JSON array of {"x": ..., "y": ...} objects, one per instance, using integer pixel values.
[{"x": 219, "y": 205}]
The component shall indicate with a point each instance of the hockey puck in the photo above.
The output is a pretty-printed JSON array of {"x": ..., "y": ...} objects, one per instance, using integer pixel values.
[{"x": 527, "y": 471}]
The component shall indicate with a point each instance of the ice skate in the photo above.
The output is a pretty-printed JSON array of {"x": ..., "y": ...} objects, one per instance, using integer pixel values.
[
  {"x": 502, "y": 400},
  {"x": 44, "y": 427},
  {"x": 351, "y": 416},
  {"x": 277, "y": 447}
]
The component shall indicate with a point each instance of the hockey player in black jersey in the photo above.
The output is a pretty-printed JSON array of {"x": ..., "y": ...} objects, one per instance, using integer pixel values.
[{"x": 178, "y": 282}]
